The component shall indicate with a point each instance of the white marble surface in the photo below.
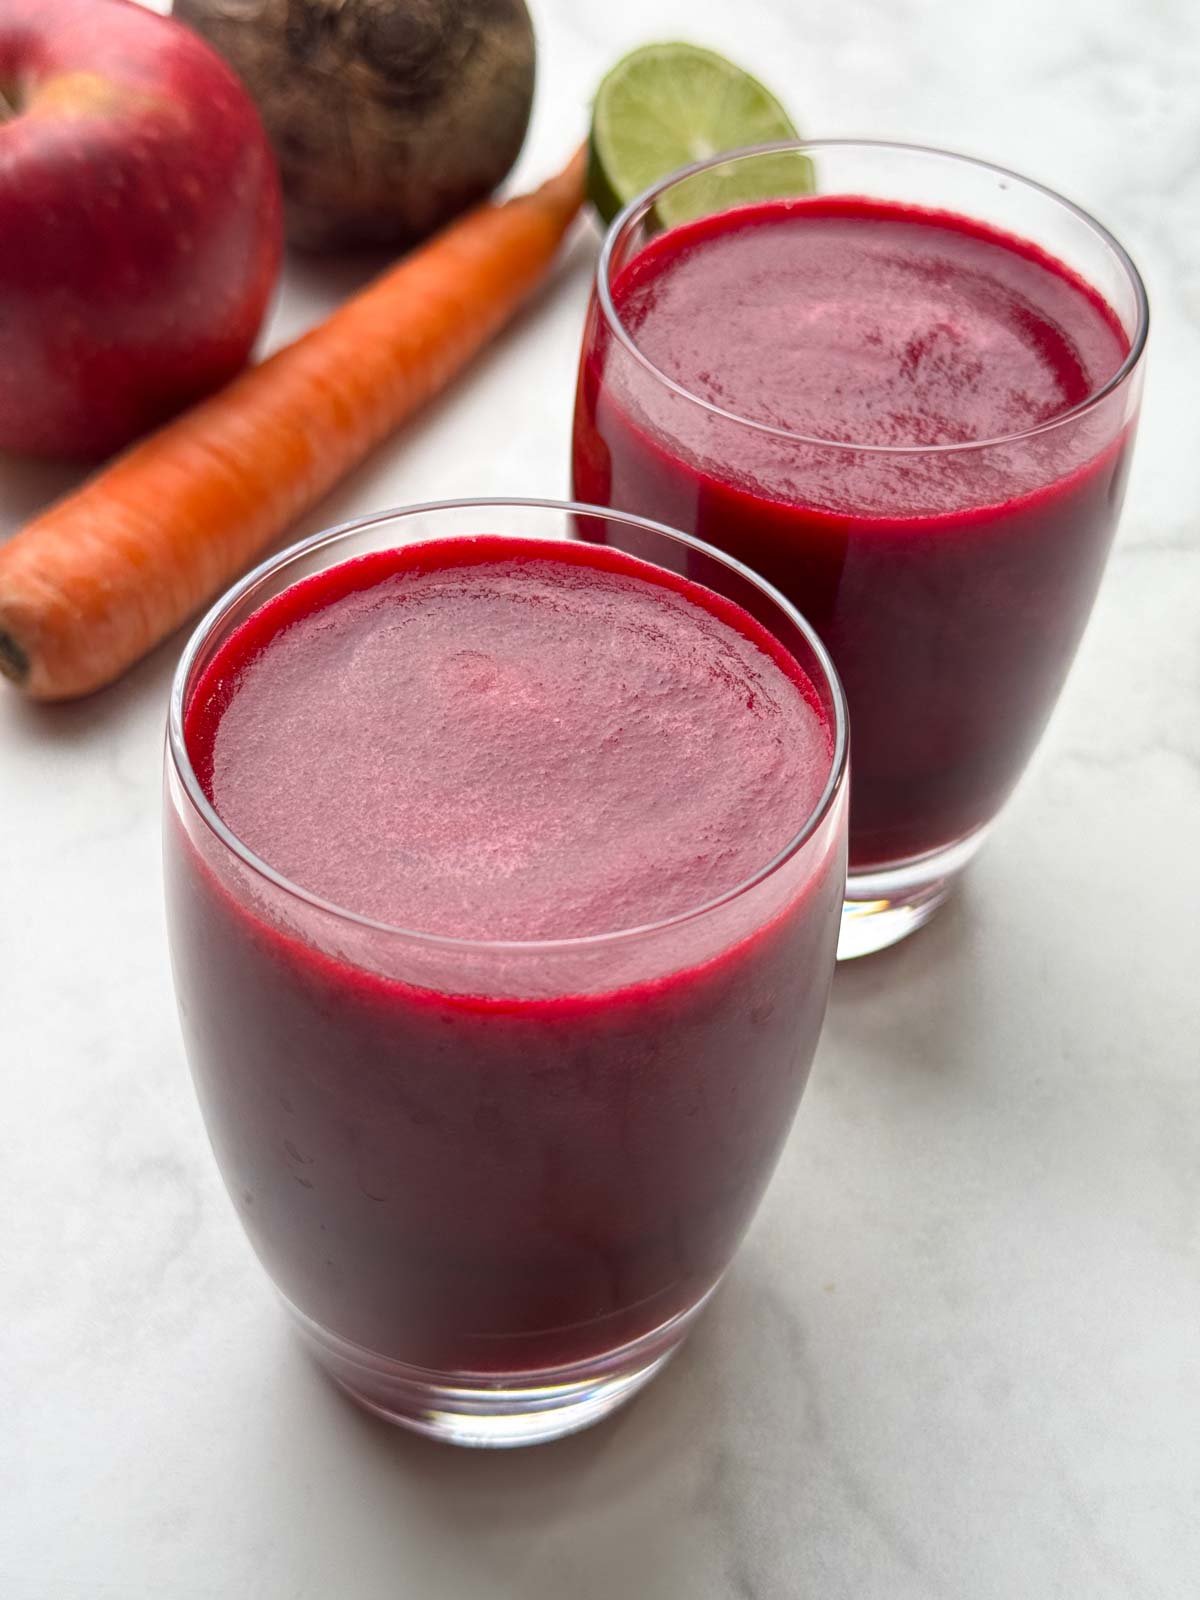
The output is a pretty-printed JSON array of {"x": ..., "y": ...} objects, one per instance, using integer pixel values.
[{"x": 958, "y": 1355}]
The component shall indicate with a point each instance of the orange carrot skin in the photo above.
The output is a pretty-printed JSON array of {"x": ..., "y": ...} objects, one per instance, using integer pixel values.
[{"x": 99, "y": 579}]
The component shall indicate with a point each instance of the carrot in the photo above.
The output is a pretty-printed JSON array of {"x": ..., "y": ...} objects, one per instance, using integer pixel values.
[{"x": 92, "y": 584}]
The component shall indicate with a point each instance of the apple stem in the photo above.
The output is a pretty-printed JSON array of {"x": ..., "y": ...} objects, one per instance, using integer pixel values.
[{"x": 7, "y": 109}]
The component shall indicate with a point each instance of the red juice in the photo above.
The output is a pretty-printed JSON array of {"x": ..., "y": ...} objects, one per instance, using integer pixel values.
[
  {"x": 951, "y": 584},
  {"x": 502, "y": 1142}
]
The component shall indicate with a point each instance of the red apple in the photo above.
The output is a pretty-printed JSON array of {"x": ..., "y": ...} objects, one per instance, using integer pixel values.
[{"x": 140, "y": 223}]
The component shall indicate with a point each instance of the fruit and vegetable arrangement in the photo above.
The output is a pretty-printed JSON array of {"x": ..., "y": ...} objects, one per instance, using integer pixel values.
[{"x": 143, "y": 187}]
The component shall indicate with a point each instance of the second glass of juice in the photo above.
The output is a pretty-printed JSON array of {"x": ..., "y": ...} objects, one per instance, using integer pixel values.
[
  {"x": 505, "y": 851},
  {"x": 908, "y": 399}
]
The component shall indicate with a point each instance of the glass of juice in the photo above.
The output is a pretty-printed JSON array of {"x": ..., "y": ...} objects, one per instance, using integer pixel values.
[
  {"x": 504, "y": 855},
  {"x": 902, "y": 386}
]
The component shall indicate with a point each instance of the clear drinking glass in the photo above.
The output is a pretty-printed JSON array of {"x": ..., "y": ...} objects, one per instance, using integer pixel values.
[
  {"x": 496, "y": 1181},
  {"x": 952, "y": 582}
]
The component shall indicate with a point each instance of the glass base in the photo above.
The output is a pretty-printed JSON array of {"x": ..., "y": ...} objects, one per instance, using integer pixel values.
[
  {"x": 885, "y": 904},
  {"x": 495, "y": 1411}
]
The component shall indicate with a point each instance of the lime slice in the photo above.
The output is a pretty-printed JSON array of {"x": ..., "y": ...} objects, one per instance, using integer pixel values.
[{"x": 666, "y": 105}]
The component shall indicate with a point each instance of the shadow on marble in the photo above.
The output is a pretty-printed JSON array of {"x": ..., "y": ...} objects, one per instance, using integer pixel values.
[
  {"x": 911, "y": 1006},
  {"x": 328, "y": 279},
  {"x": 28, "y": 485},
  {"x": 497, "y": 1522},
  {"x": 99, "y": 717},
  {"x": 694, "y": 1488}
]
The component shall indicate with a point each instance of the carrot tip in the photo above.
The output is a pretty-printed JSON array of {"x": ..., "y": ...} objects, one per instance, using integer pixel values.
[{"x": 14, "y": 663}]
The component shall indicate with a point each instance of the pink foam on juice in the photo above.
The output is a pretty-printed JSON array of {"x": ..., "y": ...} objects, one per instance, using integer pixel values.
[{"x": 490, "y": 743}]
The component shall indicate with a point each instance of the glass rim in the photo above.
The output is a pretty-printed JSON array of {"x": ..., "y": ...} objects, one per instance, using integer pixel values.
[
  {"x": 217, "y": 614},
  {"x": 641, "y": 204}
]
